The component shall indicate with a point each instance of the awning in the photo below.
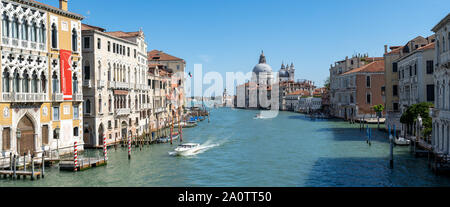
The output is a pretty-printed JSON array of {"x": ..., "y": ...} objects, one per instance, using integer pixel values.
[{"x": 120, "y": 92}]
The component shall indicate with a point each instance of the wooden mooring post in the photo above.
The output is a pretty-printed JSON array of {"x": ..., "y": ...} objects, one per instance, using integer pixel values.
[
  {"x": 43, "y": 165},
  {"x": 14, "y": 167},
  {"x": 32, "y": 167}
]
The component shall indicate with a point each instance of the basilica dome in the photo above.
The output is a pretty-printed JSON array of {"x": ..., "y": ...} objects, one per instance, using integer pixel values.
[{"x": 262, "y": 67}]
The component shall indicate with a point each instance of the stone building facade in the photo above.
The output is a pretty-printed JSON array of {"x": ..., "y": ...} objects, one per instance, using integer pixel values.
[
  {"x": 441, "y": 112},
  {"x": 40, "y": 67},
  {"x": 116, "y": 85}
]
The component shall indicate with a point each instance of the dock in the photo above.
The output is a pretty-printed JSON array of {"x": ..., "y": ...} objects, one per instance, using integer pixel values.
[
  {"x": 83, "y": 164},
  {"x": 24, "y": 174}
]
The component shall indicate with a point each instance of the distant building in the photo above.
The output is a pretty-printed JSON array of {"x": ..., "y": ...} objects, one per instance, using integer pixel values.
[
  {"x": 292, "y": 99},
  {"x": 309, "y": 104}
]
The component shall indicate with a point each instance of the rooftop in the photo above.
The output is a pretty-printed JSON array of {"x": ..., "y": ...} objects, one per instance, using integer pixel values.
[
  {"x": 373, "y": 67},
  {"x": 161, "y": 56}
]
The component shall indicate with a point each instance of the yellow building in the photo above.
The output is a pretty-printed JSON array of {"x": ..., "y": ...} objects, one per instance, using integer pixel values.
[{"x": 40, "y": 66}]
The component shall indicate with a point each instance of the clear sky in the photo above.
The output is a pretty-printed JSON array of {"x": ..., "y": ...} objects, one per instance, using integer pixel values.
[{"x": 228, "y": 35}]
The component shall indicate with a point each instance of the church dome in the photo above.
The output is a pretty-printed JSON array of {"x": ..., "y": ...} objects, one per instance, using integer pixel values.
[
  {"x": 283, "y": 74},
  {"x": 262, "y": 67}
]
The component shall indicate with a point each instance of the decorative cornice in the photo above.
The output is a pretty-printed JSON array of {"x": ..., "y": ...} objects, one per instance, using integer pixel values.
[{"x": 50, "y": 9}]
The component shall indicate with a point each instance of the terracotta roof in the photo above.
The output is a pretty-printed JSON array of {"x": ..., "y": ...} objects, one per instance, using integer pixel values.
[
  {"x": 160, "y": 55},
  {"x": 90, "y": 27},
  {"x": 427, "y": 47},
  {"x": 122, "y": 34},
  {"x": 299, "y": 92},
  {"x": 373, "y": 67},
  {"x": 395, "y": 50}
]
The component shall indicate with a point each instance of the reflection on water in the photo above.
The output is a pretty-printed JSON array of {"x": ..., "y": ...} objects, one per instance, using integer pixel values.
[{"x": 288, "y": 150}]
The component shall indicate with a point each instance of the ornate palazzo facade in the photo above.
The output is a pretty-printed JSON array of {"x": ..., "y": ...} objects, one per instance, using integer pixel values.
[{"x": 39, "y": 99}]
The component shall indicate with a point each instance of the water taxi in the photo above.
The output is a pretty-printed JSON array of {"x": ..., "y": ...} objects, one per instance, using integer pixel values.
[
  {"x": 402, "y": 141},
  {"x": 187, "y": 148}
]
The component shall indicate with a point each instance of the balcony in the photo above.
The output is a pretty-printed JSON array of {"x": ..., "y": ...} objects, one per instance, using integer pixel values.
[
  {"x": 87, "y": 83},
  {"x": 77, "y": 97},
  {"x": 122, "y": 112},
  {"x": 119, "y": 85},
  {"x": 444, "y": 57},
  {"x": 24, "y": 97},
  {"x": 101, "y": 84},
  {"x": 57, "y": 97},
  {"x": 23, "y": 44}
]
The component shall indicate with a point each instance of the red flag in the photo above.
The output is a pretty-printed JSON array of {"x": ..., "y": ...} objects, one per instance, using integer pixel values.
[{"x": 66, "y": 74}]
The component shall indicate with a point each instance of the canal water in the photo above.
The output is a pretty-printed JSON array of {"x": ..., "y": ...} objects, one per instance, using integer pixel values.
[{"x": 289, "y": 150}]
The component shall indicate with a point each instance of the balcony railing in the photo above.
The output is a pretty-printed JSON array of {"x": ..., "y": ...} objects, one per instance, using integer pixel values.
[
  {"x": 87, "y": 83},
  {"x": 160, "y": 110},
  {"x": 57, "y": 97},
  {"x": 444, "y": 57},
  {"x": 77, "y": 97},
  {"x": 101, "y": 83},
  {"x": 119, "y": 85},
  {"x": 121, "y": 112},
  {"x": 24, "y": 97}
]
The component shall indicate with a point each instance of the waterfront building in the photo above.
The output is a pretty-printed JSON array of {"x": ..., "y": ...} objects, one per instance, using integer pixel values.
[
  {"x": 338, "y": 86},
  {"x": 40, "y": 67},
  {"x": 416, "y": 81},
  {"x": 309, "y": 104},
  {"x": 115, "y": 85},
  {"x": 441, "y": 112},
  {"x": 361, "y": 90},
  {"x": 292, "y": 99},
  {"x": 392, "y": 87},
  {"x": 176, "y": 66}
]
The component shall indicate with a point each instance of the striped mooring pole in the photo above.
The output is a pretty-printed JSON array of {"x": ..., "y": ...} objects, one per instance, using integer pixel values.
[
  {"x": 105, "y": 150},
  {"x": 75, "y": 158},
  {"x": 129, "y": 146}
]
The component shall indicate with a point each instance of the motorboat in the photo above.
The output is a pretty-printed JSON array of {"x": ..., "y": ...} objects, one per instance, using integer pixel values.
[
  {"x": 187, "y": 148},
  {"x": 402, "y": 141}
]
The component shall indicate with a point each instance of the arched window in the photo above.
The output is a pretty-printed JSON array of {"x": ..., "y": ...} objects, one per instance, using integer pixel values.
[
  {"x": 25, "y": 81},
  {"x": 34, "y": 83},
  {"x": 88, "y": 107},
  {"x": 5, "y": 81},
  {"x": 43, "y": 83},
  {"x": 74, "y": 40},
  {"x": 87, "y": 71},
  {"x": 24, "y": 27},
  {"x": 55, "y": 88},
  {"x": 16, "y": 81},
  {"x": 42, "y": 33},
  {"x": 109, "y": 104},
  {"x": 5, "y": 25},
  {"x": 15, "y": 28},
  {"x": 100, "y": 105},
  {"x": 34, "y": 32},
  {"x": 443, "y": 44},
  {"x": 75, "y": 83},
  {"x": 54, "y": 36}
]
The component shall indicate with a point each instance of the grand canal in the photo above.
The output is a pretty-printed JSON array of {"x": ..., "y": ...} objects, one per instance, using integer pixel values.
[{"x": 289, "y": 150}]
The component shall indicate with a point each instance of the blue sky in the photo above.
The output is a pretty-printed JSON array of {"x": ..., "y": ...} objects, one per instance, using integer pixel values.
[{"x": 228, "y": 35}]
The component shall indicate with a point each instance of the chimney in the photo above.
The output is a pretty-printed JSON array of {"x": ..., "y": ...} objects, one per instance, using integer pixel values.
[
  {"x": 63, "y": 5},
  {"x": 385, "y": 49}
]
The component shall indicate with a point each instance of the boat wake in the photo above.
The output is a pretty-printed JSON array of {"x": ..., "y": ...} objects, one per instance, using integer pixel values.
[{"x": 201, "y": 149}]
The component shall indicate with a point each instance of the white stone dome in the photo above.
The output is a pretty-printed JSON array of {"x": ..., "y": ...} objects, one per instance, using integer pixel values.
[{"x": 262, "y": 68}]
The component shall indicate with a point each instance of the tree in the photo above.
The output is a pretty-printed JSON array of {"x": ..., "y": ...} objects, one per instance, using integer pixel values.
[
  {"x": 411, "y": 113},
  {"x": 379, "y": 110}
]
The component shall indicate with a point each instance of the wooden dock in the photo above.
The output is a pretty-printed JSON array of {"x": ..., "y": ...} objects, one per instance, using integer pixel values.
[
  {"x": 24, "y": 174},
  {"x": 83, "y": 164}
]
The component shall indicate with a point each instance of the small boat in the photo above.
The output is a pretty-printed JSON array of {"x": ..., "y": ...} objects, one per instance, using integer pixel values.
[
  {"x": 402, "y": 141},
  {"x": 187, "y": 148},
  {"x": 175, "y": 136},
  {"x": 186, "y": 124}
]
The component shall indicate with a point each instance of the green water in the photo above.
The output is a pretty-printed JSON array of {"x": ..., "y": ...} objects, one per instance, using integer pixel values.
[{"x": 289, "y": 150}]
